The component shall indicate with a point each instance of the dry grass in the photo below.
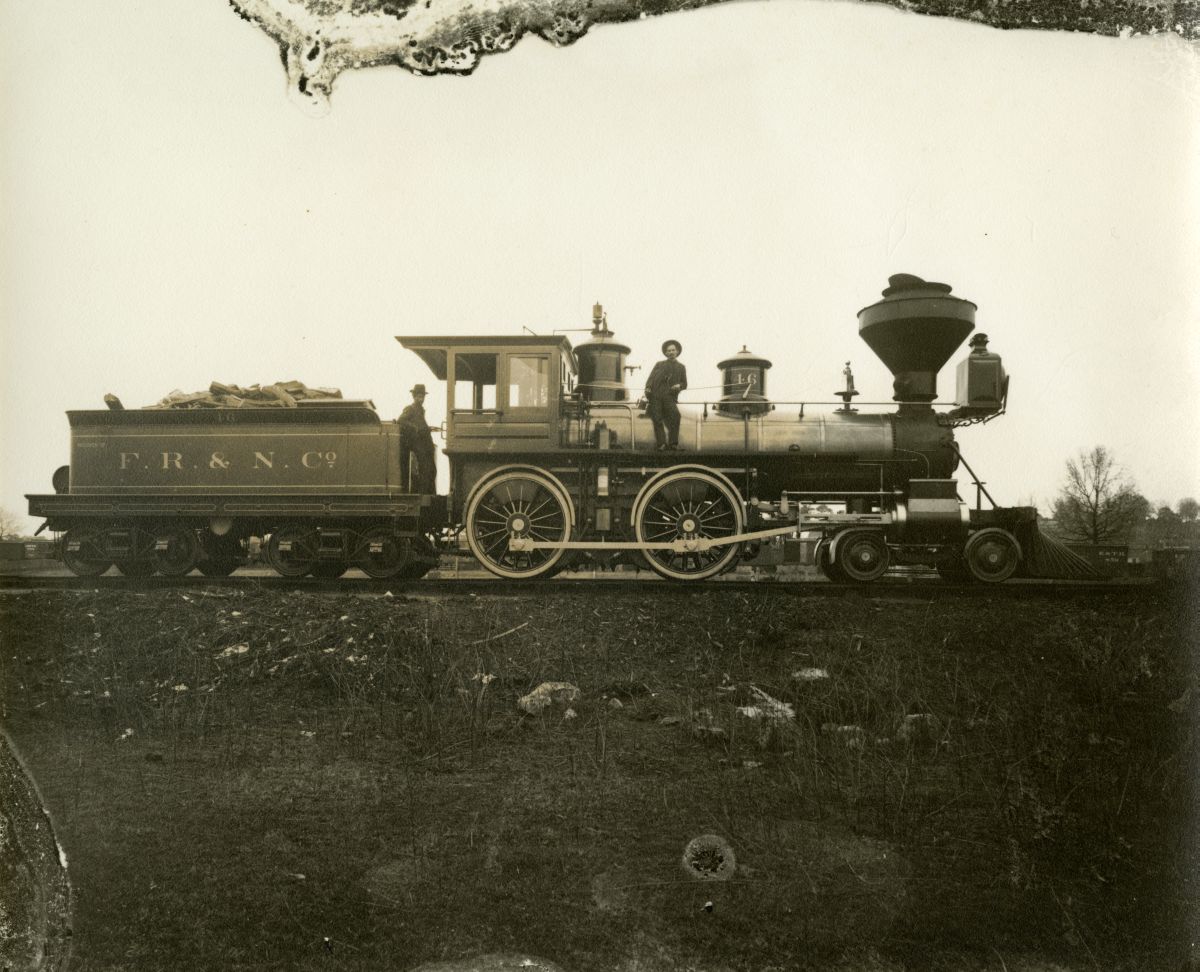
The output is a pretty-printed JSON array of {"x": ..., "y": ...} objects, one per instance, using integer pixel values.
[{"x": 239, "y": 776}]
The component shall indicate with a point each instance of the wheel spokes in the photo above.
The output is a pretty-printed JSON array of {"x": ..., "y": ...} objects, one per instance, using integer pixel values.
[
  {"x": 689, "y": 506},
  {"x": 522, "y": 505}
]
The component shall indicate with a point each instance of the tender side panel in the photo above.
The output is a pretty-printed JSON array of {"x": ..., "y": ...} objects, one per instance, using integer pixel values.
[{"x": 243, "y": 457}]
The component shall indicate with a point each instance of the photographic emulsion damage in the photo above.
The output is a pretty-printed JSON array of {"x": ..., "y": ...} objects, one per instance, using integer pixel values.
[
  {"x": 720, "y": 497},
  {"x": 320, "y": 39}
]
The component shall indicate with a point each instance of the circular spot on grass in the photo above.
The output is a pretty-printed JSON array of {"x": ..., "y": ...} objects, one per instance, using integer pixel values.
[{"x": 709, "y": 858}]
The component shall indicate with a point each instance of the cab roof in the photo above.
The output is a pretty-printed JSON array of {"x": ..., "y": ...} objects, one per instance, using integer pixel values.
[{"x": 434, "y": 350}]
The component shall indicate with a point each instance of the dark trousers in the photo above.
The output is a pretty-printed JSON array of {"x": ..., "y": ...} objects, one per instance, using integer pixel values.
[
  {"x": 422, "y": 480},
  {"x": 664, "y": 413}
]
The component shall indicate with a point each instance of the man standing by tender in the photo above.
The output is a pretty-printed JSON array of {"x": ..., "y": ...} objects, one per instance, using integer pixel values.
[
  {"x": 667, "y": 379},
  {"x": 416, "y": 442}
]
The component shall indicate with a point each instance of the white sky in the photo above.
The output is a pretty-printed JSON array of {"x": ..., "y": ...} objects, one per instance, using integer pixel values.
[{"x": 749, "y": 173}]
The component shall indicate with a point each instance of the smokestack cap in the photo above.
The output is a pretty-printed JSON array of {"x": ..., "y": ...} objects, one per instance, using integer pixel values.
[
  {"x": 914, "y": 330},
  {"x": 907, "y": 283}
]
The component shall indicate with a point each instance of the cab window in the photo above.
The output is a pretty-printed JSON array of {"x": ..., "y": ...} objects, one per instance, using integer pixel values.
[
  {"x": 474, "y": 382},
  {"x": 528, "y": 381}
]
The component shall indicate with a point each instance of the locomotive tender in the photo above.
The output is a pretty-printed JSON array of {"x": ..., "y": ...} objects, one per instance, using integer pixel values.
[{"x": 553, "y": 462}]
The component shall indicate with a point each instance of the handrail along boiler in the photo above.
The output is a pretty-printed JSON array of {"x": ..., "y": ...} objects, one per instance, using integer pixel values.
[{"x": 553, "y": 462}]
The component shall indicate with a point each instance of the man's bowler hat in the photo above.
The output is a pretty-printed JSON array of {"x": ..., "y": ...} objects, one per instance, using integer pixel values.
[
  {"x": 667, "y": 344},
  {"x": 418, "y": 390}
]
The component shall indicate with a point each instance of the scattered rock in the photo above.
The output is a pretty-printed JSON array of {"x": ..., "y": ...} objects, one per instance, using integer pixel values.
[
  {"x": 768, "y": 708},
  {"x": 850, "y": 736},
  {"x": 705, "y": 728},
  {"x": 918, "y": 727},
  {"x": 768, "y": 717},
  {"x": 709, "y": 858},
  {"x": 570, "y": 714},
  {"x": 709, "y": 733},
  {"x": 616, "y": 704},
  {"x": 548, "y": 694},
  {"x": 810, "y": 674}
]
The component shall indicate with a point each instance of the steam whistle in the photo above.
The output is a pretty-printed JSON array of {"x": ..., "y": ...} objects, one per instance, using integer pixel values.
[{"x": 848, "y": 392}]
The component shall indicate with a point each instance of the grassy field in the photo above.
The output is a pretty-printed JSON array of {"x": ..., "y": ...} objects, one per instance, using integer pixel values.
[{"x": 296, "y": 781}]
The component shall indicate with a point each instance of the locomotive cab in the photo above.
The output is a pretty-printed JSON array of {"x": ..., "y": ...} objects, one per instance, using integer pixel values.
[{"x": 503, "y": 393}]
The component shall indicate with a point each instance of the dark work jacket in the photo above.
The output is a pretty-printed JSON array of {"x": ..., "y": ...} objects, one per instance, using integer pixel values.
[
  {"x": 413, "y": 426},
  {"x": 663, "y": 375}
]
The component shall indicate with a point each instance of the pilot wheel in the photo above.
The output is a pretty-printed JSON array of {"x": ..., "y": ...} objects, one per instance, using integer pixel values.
[
  {"x": 992, "y": 555},
  {"x": 688, "y": 505},
  {"x": 523, "y": 504},
  {"x": 861, "y": 556}
]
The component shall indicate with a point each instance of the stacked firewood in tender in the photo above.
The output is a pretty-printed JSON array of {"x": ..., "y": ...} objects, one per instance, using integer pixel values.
[{"x": 282, "y": 394}]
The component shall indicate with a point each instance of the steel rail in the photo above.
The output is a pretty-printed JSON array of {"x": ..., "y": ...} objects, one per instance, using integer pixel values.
[{"x": 600, "y": 583}]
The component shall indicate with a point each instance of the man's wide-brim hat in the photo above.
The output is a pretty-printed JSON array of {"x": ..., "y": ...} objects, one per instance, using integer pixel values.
[
  {"x": 667, "y": 344},
  {"x": 418, "y": 390}
]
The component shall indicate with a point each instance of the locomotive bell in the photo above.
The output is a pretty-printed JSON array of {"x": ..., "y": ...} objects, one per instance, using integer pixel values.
[
  {"x": 914, "y": 330},
  {"x": 602, "y": 363},
  {"x": 744, "y": 384}
]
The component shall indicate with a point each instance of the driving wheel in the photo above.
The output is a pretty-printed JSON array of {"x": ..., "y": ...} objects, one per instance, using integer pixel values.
[
  {"x": 688, "y": 505},
  {"x": 520, "y": 503}
]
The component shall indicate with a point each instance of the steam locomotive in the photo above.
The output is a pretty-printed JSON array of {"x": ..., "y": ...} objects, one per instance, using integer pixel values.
[{"x": 553, "y": 462}]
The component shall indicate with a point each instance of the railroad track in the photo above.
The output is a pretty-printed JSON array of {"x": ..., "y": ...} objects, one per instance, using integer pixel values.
[{"x": 931, "y": 587}]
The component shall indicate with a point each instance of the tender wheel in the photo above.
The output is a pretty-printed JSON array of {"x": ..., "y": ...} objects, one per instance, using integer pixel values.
[
  {"x": 330, "y": 569},
  {"x": 992, "y": 555},
  {"x": 181, "y": 553},
  {"x": 523, "y": 503},
  {"x": 862, "y": 556},
  {"x": 292, "y": 550},
  {"x": 83, "y": 552},
  {"x": 380, "y": 553},
  {"x": 688, "y": 505},
  {"x": 218, "y": 568}
]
